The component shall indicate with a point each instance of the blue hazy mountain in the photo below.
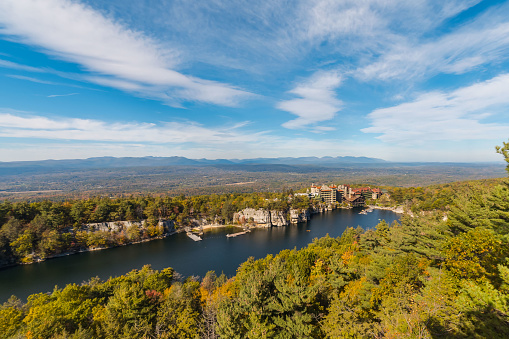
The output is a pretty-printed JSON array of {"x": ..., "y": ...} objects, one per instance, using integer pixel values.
[{"x": 18, "y": 167}]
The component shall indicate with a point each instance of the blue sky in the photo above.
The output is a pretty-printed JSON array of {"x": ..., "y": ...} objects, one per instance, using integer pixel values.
[{"x": 398, "y": 80}]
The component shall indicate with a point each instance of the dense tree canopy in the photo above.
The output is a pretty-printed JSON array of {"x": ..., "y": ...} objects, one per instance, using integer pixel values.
[{"x": 36, "y": 230}]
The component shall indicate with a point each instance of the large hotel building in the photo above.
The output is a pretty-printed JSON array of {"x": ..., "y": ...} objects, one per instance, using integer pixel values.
[{"x": 353, "y": 196}]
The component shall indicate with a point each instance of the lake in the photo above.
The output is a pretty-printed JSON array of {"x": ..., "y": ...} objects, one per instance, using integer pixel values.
[{"x": 215, "y": 252}]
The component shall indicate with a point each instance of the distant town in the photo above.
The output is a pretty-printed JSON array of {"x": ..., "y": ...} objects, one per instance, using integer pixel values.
[{"x": 343, "y": 194}]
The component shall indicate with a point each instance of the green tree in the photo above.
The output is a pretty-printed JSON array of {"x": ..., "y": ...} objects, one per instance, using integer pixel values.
[
  {"x": 179, "y": 314},
  {"x": 11, "y": 317},
  {"x": 24, "y": 244},
  {"x": 50, "y": 243},
  {"x": 504, "y": 150},
  {"x": 129, "y": 313},
  {"x": 475, "y": 255}
]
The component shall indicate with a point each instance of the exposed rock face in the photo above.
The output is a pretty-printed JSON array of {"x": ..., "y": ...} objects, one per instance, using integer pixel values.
[
  {"x": 113, "y": 226},
  {"x": 260, "y": 217},
  {"x": 278, "y": 218},
  {"x": 119, "y": 226},
  {"x": 299, "y": 215},
  {"x": 319, "y": 209},
  {"x": 168, "y": 225}
]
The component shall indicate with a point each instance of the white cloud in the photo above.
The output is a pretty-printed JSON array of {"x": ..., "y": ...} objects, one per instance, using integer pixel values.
[
  {"x": 13, "y": 65},
  {"x": 482, "y": 41},
  {"x": 22, "y": 126},
  {"x": 317, "y": 100},
  {"x": 31, "y": 79},
  {"x": 260, "y": 36},
  {"x": 456, "y": 115},
  {"x": 321, "y": 129},
  {"x": 45, "y": 82},
  {"x": 61, "y": 95},
  {"x": 77, "y": 33},
  {"x": 372, "y": 26},
  {"x": 27, "y": 137}
]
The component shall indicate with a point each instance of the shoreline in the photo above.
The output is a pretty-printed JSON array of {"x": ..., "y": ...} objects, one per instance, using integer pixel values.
[
  {"x": 65, "y": 254},
  {"x": 397, "y": 210},
  {"x": 212, "y": 226}
]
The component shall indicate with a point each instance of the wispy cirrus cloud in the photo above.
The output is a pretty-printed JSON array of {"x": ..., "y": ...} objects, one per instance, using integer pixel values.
[
  {"x": 61, "y": 95},
  {"x": 14, "y": 125},
  {"x": 31, "y": 79},
  {"x": 257, "y": 36},
  {"x": 75, "y": 32},
  {"x": 455, "y": 53},
  {"x": 317, "y": 101},
  {"x": 483, "y": 40},
  {"x": 457, "y": 115},
  {"x": 14, "y": 65},
  {"x": 374, "y": 19},
  {"x": 53, "y": 83}
]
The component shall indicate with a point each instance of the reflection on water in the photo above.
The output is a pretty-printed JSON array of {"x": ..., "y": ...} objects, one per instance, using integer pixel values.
[{"x": 215, "y": 252}]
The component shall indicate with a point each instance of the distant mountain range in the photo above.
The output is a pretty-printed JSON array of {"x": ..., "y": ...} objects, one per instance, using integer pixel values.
[{"x": 18, "y": 167}]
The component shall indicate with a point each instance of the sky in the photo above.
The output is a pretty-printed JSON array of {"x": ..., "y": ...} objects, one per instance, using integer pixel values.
[{"x": 392, "y": 79}]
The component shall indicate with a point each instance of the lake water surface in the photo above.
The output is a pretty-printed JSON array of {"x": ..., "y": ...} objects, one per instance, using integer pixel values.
[{"x": 215, "y": 252}]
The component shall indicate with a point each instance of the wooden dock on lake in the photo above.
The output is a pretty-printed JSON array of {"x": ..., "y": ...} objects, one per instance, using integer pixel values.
[
  {"x": 232, "y": 235},
  {"x": 193, "y": 236}
]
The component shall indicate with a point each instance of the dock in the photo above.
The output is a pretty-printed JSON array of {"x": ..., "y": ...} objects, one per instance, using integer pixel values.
[
  {"x": 193, "y": 236},
  {"x": 366, "y": 211},
  {"x": 232, "y": 235}
]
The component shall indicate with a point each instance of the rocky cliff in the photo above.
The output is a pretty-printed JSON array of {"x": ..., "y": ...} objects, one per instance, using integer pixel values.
[
  {"x": 278, "y": 218},
  {"x": 299, "y": 215},
  {"x": 260, "y": 217},
  {"x": 119, "y": 226}
]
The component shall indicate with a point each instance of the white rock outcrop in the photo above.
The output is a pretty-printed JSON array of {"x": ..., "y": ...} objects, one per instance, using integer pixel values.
[
  {"x": 260, "y": 217},
  {"x": 278, "y": 218},
  {"x": 119, "y": 226},
  {"x": 299, "y": 215}
]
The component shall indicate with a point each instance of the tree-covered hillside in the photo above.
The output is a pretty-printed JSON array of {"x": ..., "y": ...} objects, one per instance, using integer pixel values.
[
  {"x": 425, "y": 277},
  {"x": 37, "y": 230}
]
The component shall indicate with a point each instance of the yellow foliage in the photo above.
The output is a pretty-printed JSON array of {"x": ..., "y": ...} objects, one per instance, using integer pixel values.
[
  {"x": 27, "y": 259},
  {"x": 99, "y": 314},
  {"x": 204, "y": 294},
  {"x": 226, "y": 290},
  {"x": 347, "y": 257},
  {"x": 352, "y": 290}
]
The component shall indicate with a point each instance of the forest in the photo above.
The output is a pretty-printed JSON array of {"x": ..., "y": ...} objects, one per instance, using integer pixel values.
[
  {"x": 441, "y": 272},
  {"x": 36, "y": 230},
  {"x": 31, "y": 231}
]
